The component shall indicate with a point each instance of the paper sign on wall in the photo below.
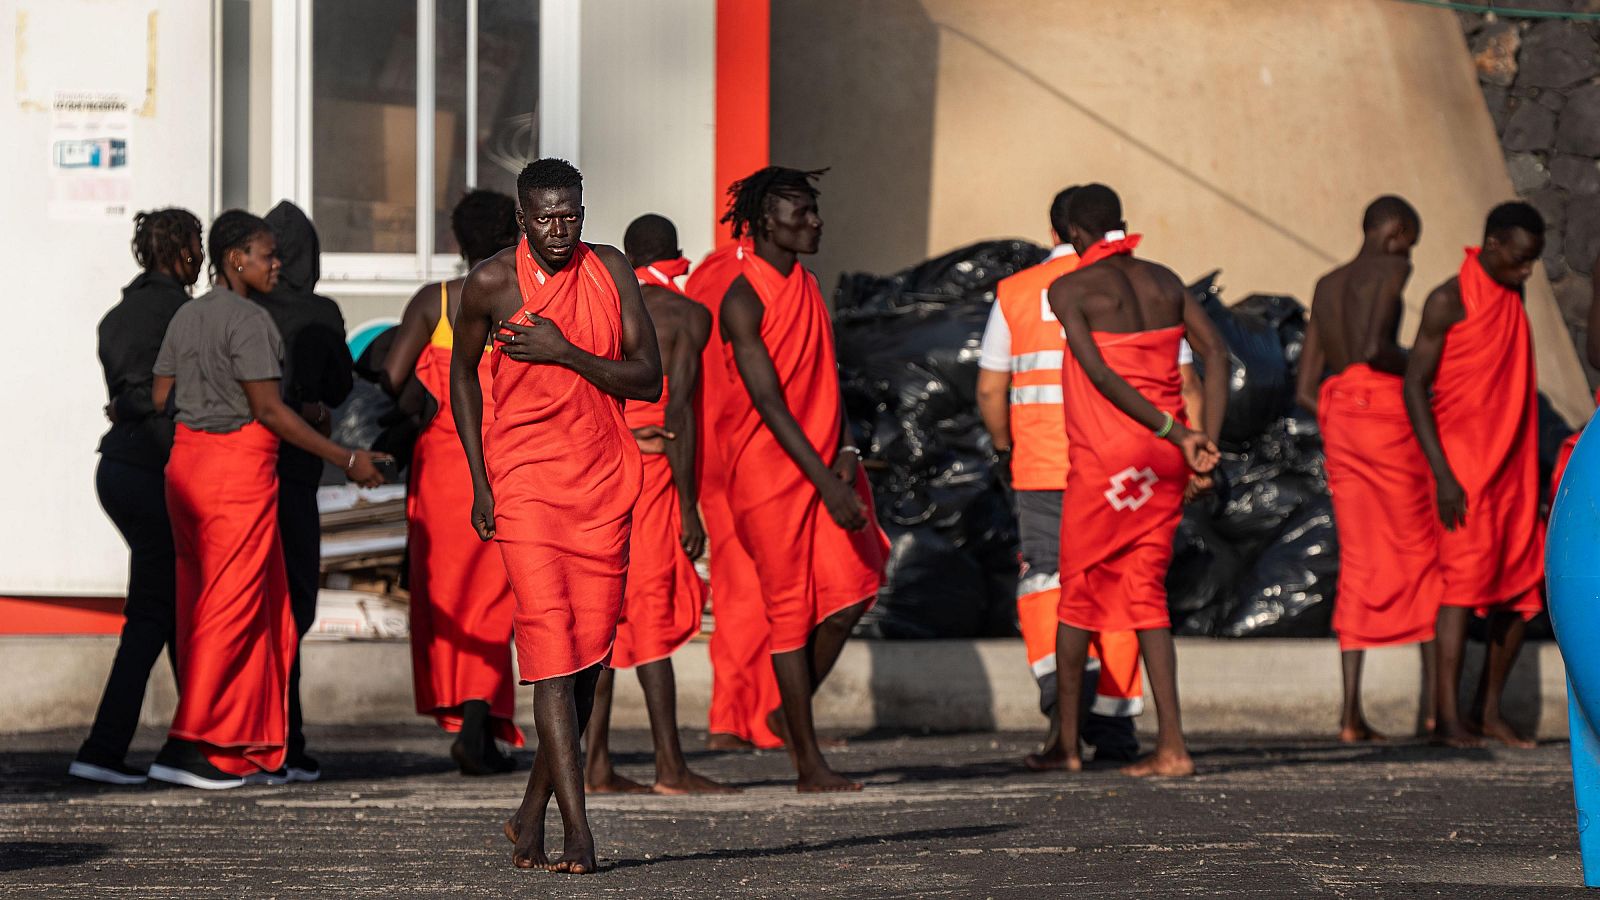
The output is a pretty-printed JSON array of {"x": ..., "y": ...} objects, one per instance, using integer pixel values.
[{"x": 89, "y": 164}]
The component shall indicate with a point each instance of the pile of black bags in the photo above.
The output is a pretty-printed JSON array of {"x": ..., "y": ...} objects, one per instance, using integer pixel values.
[
  {"x": 908, "y": 361},
  {"x": 1260, "y": 558}
]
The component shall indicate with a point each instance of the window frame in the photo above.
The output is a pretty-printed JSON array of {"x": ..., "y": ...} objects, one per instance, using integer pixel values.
[{"x": 291, "y": 142}]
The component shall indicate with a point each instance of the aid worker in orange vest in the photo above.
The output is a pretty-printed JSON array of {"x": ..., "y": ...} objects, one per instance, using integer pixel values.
[{"x": 1019, "y": 397}]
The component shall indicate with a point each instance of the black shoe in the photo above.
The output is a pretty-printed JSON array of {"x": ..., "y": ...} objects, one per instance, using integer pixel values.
[
  {"x": 1112, "y": 738},
  {"x": 303, "y": 768},
  {"x": 281, "y": 776},
  {"x": 104, "y": 771},
  {"x": 182, "y": 763}
]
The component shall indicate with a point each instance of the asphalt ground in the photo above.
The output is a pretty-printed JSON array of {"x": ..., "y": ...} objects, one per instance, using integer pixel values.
[{"x": 941, "y": 816}]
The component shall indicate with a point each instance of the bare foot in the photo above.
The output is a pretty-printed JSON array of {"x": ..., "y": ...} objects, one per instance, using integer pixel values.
[
  {"x": 577, "y": 856},
  {"x": 610, "y": 782},
  {"x": 1501, "y": 730},
  {"x": 1360, "y": 733},
  {"x": 1452, "y": 734},
  {"x": 1048, "y": 762},
  {"x": 780, "y": 727},
  {"x": 825, "y": 781},
  {"x": 721, "y": 740},
  {"x": 1162, "y": 764},
  {"x": 691, "y": 783},
  {"x": 527, "y": 838}
]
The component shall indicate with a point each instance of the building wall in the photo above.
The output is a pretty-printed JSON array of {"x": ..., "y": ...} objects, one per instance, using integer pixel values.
[
  {"x": 647, "y": 117},
  {"x": 62, "y": 276},
  {"x": 1243, "y": 135}
]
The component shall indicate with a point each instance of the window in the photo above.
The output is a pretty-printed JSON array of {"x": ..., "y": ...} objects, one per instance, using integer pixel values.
[{"x": 353, "y": 80}]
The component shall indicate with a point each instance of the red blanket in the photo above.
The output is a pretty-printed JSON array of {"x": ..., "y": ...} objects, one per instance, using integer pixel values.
[
  {"x": 461, "y": 600},
  {"x": 661, "y": 608},
  {"x": 743, "y": 687},
  {"x": 1485, "y": 403},
  {"x": 809, "y": 567},
  {"x": 1125, "y": 494},
  {"x": 1390, "y": 584},
  {"x": 236, "y": 637},
  {"x": 566, "y": 473}
]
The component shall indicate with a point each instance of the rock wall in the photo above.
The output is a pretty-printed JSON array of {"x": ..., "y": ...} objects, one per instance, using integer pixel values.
[{"x": 1541, "y": 81}]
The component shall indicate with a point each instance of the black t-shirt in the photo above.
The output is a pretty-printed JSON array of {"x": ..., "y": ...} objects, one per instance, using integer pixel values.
[{"x": 130, "y": 337}]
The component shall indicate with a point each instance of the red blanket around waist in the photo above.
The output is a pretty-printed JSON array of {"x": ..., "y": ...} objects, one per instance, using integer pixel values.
[
  {"x": 1390, "y": 584},
  {"x": 236, "y": 636},
  {"x": 1125, "y": 491},
  {"x": 461, "y": 600}
]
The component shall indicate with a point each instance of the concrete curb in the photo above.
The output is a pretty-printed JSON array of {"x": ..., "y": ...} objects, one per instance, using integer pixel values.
[{"x": 1263, "y": 687}]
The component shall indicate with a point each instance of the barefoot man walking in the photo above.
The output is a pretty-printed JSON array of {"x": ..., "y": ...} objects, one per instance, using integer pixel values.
[{"x": 557, "y": 474}]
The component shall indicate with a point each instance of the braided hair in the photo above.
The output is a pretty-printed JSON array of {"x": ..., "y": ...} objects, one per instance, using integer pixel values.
[
  {"x": 484, "y": 223},
  {"x": 748, "y": 198},
  {"x": 232, "y": 230},
  {"x": 161, "y": 237}
]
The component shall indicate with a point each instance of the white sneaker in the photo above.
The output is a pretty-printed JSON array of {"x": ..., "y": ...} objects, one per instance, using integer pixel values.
[
  {"x": 105, "y": 774},
  {"x": 186, "y": 778}
]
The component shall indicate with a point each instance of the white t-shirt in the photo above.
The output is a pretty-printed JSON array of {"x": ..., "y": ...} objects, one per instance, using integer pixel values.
[{"x": 994, "y": 353}]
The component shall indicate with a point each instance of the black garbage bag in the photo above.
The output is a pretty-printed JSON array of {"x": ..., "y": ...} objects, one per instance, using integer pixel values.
[
  {"x": 1260, "y": 382},
  {"x": 952, "y": 569},
  {"x": 1289, "y": 591},
  {"x": 908, "y": 362},
  {"x": 964, "y": 276},
  {"x": 1283, "y": 315},
  {"x": 1200, "y": 580}
]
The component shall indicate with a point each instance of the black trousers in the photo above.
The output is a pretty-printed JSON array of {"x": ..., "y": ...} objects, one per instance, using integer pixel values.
[
  {"x": 135, "y": 499},
  {"x": 300, "y": 526}
]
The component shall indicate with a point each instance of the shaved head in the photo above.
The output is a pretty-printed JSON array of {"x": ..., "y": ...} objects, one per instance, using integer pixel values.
[{"x": 650, "y": 238}]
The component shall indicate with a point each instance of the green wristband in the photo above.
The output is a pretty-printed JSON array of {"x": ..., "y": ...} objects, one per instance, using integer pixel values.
[{"x": 1166, "y": 427}]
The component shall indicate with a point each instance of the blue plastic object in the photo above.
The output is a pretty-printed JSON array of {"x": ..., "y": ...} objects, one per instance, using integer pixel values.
[{"x": 1572, "y": 572}]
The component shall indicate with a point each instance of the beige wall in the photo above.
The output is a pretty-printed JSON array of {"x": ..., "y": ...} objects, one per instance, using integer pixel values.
[{"x": 1245, "y": 135}]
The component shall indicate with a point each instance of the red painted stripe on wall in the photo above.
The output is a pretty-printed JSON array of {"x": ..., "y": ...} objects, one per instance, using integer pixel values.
[
  {"x": 60, "y": 615},
  {"x": 744, "y": 45}
]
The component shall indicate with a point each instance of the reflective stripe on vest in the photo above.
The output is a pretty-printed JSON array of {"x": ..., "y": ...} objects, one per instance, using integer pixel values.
[
  {"x": 1039, "y": 359},
  {"x": 1036, "y": 394}
]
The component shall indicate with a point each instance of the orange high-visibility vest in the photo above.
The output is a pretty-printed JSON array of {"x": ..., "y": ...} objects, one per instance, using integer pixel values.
[{"x": 1038, "y": 432}]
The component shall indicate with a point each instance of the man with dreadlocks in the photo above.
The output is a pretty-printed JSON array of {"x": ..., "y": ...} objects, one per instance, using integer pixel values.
[
  {"x": 460, "y": 599},
  {"x": 662, "y": 605},
  {"x": 132, "y": 488},
  {"x": 556, "y": 475},
  {"x": 799, "y": 498}
]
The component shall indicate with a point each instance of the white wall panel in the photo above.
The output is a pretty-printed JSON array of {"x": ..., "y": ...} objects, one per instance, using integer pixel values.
[
  {"x": 647, "y": 111},
  {"x": 61, "y": 277}
]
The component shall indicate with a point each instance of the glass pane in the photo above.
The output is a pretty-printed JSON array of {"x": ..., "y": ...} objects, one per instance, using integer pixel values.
[
  {"x": 508, "y": 102},
  {"x": 235, "y": 122},
  {"x": 364, "y": 126}
]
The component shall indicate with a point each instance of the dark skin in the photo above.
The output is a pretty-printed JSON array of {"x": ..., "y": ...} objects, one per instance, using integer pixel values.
[
  {"x": 1507, "y": 258},
  {"x": 789, "y": 227},
  {"x": 254, "y": 267},
  {"x": 1355, "y": 319},
  {"x": 682, "y": 329},
  {"x": 1123, "y": 295},
  {"x": 553, "y": 221}
]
